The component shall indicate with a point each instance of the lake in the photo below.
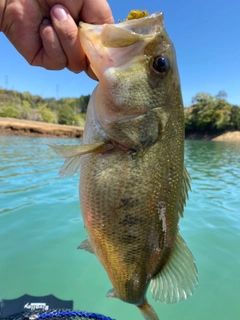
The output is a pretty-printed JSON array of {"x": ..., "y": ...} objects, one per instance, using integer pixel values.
[{"x": 41, "y": 227}]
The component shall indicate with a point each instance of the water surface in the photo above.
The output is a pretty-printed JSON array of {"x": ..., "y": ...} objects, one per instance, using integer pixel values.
[{"x": 41, "y": 227}]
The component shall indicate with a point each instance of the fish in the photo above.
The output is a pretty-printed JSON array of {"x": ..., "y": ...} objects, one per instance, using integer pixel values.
[{"x": 133, "y": 181}]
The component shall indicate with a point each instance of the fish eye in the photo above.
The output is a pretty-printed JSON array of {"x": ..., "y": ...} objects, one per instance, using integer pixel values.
[{"x": 161, "y": 64}]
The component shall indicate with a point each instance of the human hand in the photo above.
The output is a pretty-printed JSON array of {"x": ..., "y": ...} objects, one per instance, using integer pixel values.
[{"x": 45, "y": 32}]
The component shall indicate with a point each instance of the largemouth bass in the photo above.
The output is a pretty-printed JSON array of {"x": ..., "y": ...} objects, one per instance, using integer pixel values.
[{"x": 133, "y": 184}]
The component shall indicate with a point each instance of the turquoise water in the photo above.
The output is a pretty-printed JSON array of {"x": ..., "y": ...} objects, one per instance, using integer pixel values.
[{"x": 41, "y": 227}]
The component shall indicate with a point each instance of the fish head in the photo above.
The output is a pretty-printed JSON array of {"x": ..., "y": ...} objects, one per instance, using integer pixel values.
[{"x": 136, "y": 66}]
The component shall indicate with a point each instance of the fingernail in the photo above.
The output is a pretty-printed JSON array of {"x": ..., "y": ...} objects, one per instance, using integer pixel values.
[{"x": 60, "y": 13}]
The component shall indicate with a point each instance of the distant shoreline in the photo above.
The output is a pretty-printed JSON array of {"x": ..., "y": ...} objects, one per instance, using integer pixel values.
[
  {"x": 229, "y": 136},
  {"x": 20, "y": 127}
]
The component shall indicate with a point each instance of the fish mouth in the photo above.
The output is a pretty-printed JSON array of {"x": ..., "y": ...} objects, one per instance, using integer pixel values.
[
  {"x": 125, "y": 33},
  {"x": 144, "y": 25},
  {"x": 110, "y": 45},
  {"x": 129, "y": 32}
]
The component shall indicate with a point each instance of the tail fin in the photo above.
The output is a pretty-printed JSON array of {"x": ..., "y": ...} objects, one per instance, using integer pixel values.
[{"x": 148, "y": 312}]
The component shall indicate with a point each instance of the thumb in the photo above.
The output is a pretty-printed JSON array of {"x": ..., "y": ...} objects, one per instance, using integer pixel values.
[{"x": 67, "y": 32}]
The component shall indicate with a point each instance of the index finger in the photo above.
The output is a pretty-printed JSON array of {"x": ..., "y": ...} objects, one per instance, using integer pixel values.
[
  {"x": 96, "y": 12},
  {"x": 90, "y": 11}
]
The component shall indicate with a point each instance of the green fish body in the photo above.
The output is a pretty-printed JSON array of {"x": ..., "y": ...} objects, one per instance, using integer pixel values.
[{"x": 133, "y": 184}]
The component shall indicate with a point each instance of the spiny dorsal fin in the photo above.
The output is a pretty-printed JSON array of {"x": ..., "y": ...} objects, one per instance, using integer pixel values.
[
  {"x": 178, "y": 278},
  {"x": 184, "y": 192}
]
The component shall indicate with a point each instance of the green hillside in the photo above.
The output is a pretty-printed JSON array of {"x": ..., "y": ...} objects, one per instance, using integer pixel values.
[{"x": 70, "y": 111}]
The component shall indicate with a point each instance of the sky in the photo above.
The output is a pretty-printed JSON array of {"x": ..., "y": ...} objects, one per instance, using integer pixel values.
[{"x": 205, "y": 33}]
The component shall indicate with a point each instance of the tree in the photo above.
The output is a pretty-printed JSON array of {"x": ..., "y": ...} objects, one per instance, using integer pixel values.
[
  {"x": 66, "y": 115},
  {"x": 221, "y": 119},
  {"x": 211, "y": 114},
  {"x": 26, "y": 108},
  {"x": 235, "y": 118},
  {"x": 83, "y": 103},
  {"x": 221, "y": 95},
  {"x": 202, "y": 99},
  {"x": 46, "y": 114},
  {"x": 9, "y": 112}
]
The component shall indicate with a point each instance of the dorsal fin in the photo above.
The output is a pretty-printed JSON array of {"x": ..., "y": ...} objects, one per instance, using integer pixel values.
[{"x": 184, "y": 192}]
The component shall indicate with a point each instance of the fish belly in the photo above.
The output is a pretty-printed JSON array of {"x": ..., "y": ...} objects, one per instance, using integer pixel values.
[{"x": 129, "y": 207}]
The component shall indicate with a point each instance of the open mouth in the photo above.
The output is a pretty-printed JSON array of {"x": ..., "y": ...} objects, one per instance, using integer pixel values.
[
  {"x": 148, "y": 25},
  {"x": 127, "y": 33}
]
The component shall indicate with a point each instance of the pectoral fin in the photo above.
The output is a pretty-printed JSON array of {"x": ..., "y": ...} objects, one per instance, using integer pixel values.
[
  {"x": 72, "y": 154},
  {"x": 178, "y": 278},
  {"x": 66, "y": 151}
]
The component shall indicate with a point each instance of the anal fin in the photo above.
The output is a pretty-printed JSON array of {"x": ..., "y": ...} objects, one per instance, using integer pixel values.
[
  {"x": 178, "y": 278},
  {"x": 86, "y": 245}
]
